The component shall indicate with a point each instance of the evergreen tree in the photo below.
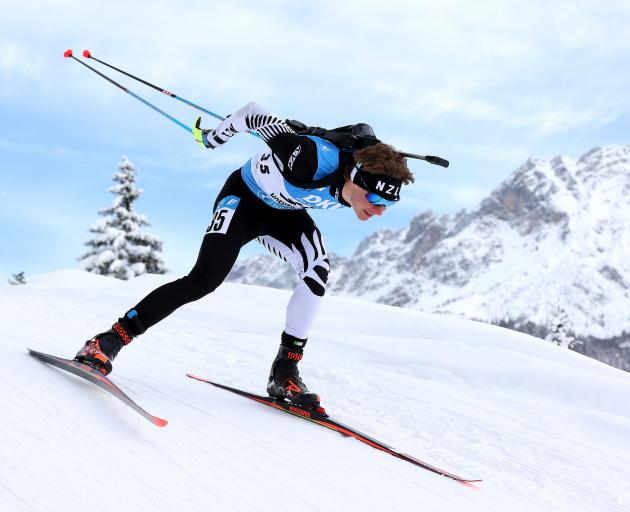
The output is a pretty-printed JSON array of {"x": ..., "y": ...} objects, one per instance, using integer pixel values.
[
  {"x": 119, "y": 247},
  {"x": 559, "y": 332},
  {"x": 17, "y": 279}
]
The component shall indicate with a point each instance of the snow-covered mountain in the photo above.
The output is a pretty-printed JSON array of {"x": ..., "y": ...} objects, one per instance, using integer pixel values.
[
  {"x": 544, "y": 427},
  {"x": 555, "y": 232}
]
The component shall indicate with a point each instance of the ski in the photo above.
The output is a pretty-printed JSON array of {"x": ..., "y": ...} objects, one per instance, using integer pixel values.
[
  {"x": 94, "y": 376},
  {"x": 337, "y": 426}
]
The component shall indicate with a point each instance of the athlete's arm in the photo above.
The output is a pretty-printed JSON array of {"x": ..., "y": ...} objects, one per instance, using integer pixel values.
[{"x": 298, "y": 155}]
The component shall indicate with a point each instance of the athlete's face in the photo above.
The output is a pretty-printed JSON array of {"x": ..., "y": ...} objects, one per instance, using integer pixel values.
[{"x": 363, "y": 209}]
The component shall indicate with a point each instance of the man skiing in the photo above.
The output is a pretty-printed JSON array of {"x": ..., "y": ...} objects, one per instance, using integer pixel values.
[{"x": 267, "y": 200}]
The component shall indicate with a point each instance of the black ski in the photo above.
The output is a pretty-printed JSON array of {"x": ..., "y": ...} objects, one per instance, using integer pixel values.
[
  {"x": 328, "y": 422},
  {"x": 88, "y": 373}
]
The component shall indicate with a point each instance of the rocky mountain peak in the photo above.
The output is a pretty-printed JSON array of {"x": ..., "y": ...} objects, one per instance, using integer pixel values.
[{"x": 554, "y": 230}]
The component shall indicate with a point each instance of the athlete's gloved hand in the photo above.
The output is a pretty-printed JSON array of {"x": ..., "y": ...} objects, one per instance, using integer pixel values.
[{"x": 201, "y": 135}]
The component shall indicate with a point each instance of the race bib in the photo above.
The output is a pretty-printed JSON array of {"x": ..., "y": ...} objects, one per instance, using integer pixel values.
[{"x": 223, "y": 215}]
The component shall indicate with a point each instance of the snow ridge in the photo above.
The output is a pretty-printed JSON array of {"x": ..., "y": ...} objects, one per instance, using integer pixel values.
[{"x": 546, "y": 428}]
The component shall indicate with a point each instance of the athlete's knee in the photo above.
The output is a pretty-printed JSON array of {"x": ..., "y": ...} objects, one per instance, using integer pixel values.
[
  {"x": 200, "y": 283},
  {"x": 316, "y": 278},
  {"x": 315, "y": 260}
]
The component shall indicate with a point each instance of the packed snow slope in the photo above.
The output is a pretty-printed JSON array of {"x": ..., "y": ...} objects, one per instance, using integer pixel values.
[{"x": 545, "y": 428}]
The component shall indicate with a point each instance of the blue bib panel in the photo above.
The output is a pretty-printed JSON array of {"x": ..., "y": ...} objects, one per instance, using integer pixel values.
[{"x": 277, "y": 192}]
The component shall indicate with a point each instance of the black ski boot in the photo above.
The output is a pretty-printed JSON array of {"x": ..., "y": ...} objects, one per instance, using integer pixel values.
[
  {"x": 284, "y": 378},
  {"x": 100, "y": 351}
]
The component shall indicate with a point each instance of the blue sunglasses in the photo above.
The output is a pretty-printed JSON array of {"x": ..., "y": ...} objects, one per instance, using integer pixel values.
[{"x": 378, "y": 200}]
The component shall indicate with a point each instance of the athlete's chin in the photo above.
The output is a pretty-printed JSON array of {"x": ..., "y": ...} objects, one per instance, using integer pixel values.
[{"x": 363, "y": 215}]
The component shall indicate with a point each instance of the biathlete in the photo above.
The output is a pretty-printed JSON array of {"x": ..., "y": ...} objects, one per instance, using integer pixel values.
[{"x": 267, "y": 200}]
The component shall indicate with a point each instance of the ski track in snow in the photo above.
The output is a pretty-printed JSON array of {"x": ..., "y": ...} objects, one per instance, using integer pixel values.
[{"x": 546, "y": 429}]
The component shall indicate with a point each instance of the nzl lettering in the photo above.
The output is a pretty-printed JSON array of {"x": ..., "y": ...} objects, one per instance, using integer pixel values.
[{"x": 391, "y": 189}]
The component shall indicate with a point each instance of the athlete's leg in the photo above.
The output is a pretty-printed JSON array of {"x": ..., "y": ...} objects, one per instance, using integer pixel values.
[
  {"x": 236, "y": 220},
  {"x": 297, "y": 240}
]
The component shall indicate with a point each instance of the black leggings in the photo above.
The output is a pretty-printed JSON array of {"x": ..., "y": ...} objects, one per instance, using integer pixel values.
[{"x": 239, "y": 217}]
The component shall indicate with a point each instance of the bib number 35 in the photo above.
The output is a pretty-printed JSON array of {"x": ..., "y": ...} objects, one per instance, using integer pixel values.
[{"x": 223, "y": 215}]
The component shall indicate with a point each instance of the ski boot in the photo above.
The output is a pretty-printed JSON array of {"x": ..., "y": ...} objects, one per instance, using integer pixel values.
[
  {"x": 100, "y": 351},
  {"x": 284, "y": 379}
]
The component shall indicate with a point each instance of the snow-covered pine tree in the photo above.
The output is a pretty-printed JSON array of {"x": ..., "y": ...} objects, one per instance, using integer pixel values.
[
  {"x": 559, "y": 333},
  {"x": 17, "y": 279},
  {"x": 119, "y": 247}
]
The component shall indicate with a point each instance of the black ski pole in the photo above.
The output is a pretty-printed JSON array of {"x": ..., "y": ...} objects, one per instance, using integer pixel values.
[
  {"x": 68, "y": 54},
  {"x": 88, "y": 55}
]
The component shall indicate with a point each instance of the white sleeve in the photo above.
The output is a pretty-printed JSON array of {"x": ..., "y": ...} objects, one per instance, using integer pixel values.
[{"x": 252, "y": 116}]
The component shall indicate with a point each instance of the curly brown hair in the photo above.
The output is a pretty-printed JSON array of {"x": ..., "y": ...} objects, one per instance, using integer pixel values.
[{"x": 384, "y": 159}]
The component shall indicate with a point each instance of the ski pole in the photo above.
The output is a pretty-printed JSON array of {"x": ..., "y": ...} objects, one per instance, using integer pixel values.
[
  {"x": 68, "y": 54},
  {"x": 88, "y": 55}
]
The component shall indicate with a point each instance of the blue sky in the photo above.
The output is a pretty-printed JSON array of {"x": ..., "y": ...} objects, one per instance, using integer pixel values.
[{"x": 484, "y": 85}]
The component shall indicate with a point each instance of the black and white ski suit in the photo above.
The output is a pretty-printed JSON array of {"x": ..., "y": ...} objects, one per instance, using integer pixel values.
[{"x": 257, "y": 202}]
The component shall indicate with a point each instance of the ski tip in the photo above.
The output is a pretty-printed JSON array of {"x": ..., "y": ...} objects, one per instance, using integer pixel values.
[
  {"x": 471, "y": 484},
  {"x": 67, "y": 53},
  {"x": 33, "y": 352},
  {"x": 87, "y": 54},
  {"x": 197, "y": 378},
  {"x": 159, "y": 422}
]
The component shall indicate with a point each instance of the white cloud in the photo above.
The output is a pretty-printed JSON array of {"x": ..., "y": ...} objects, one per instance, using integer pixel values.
[
  {"x": 31, "y": 148},
  {"x": 17, "y": 67},
  {"x": 490, "y": 62},
  {"x": 440, "y": 197},
  {"x": 429, "y": 74},
  {"x": 9, "y": 57},
  {"x": 546, "y": 117}
]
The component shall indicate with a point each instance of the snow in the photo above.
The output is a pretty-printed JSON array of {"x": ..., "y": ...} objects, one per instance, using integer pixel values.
[{"x": 544, "y": 427}]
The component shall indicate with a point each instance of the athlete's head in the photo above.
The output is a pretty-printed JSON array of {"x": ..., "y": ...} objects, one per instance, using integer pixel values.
[
  {"x": 384, "y": 159},
  {"x": 375, "y": 178}
]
